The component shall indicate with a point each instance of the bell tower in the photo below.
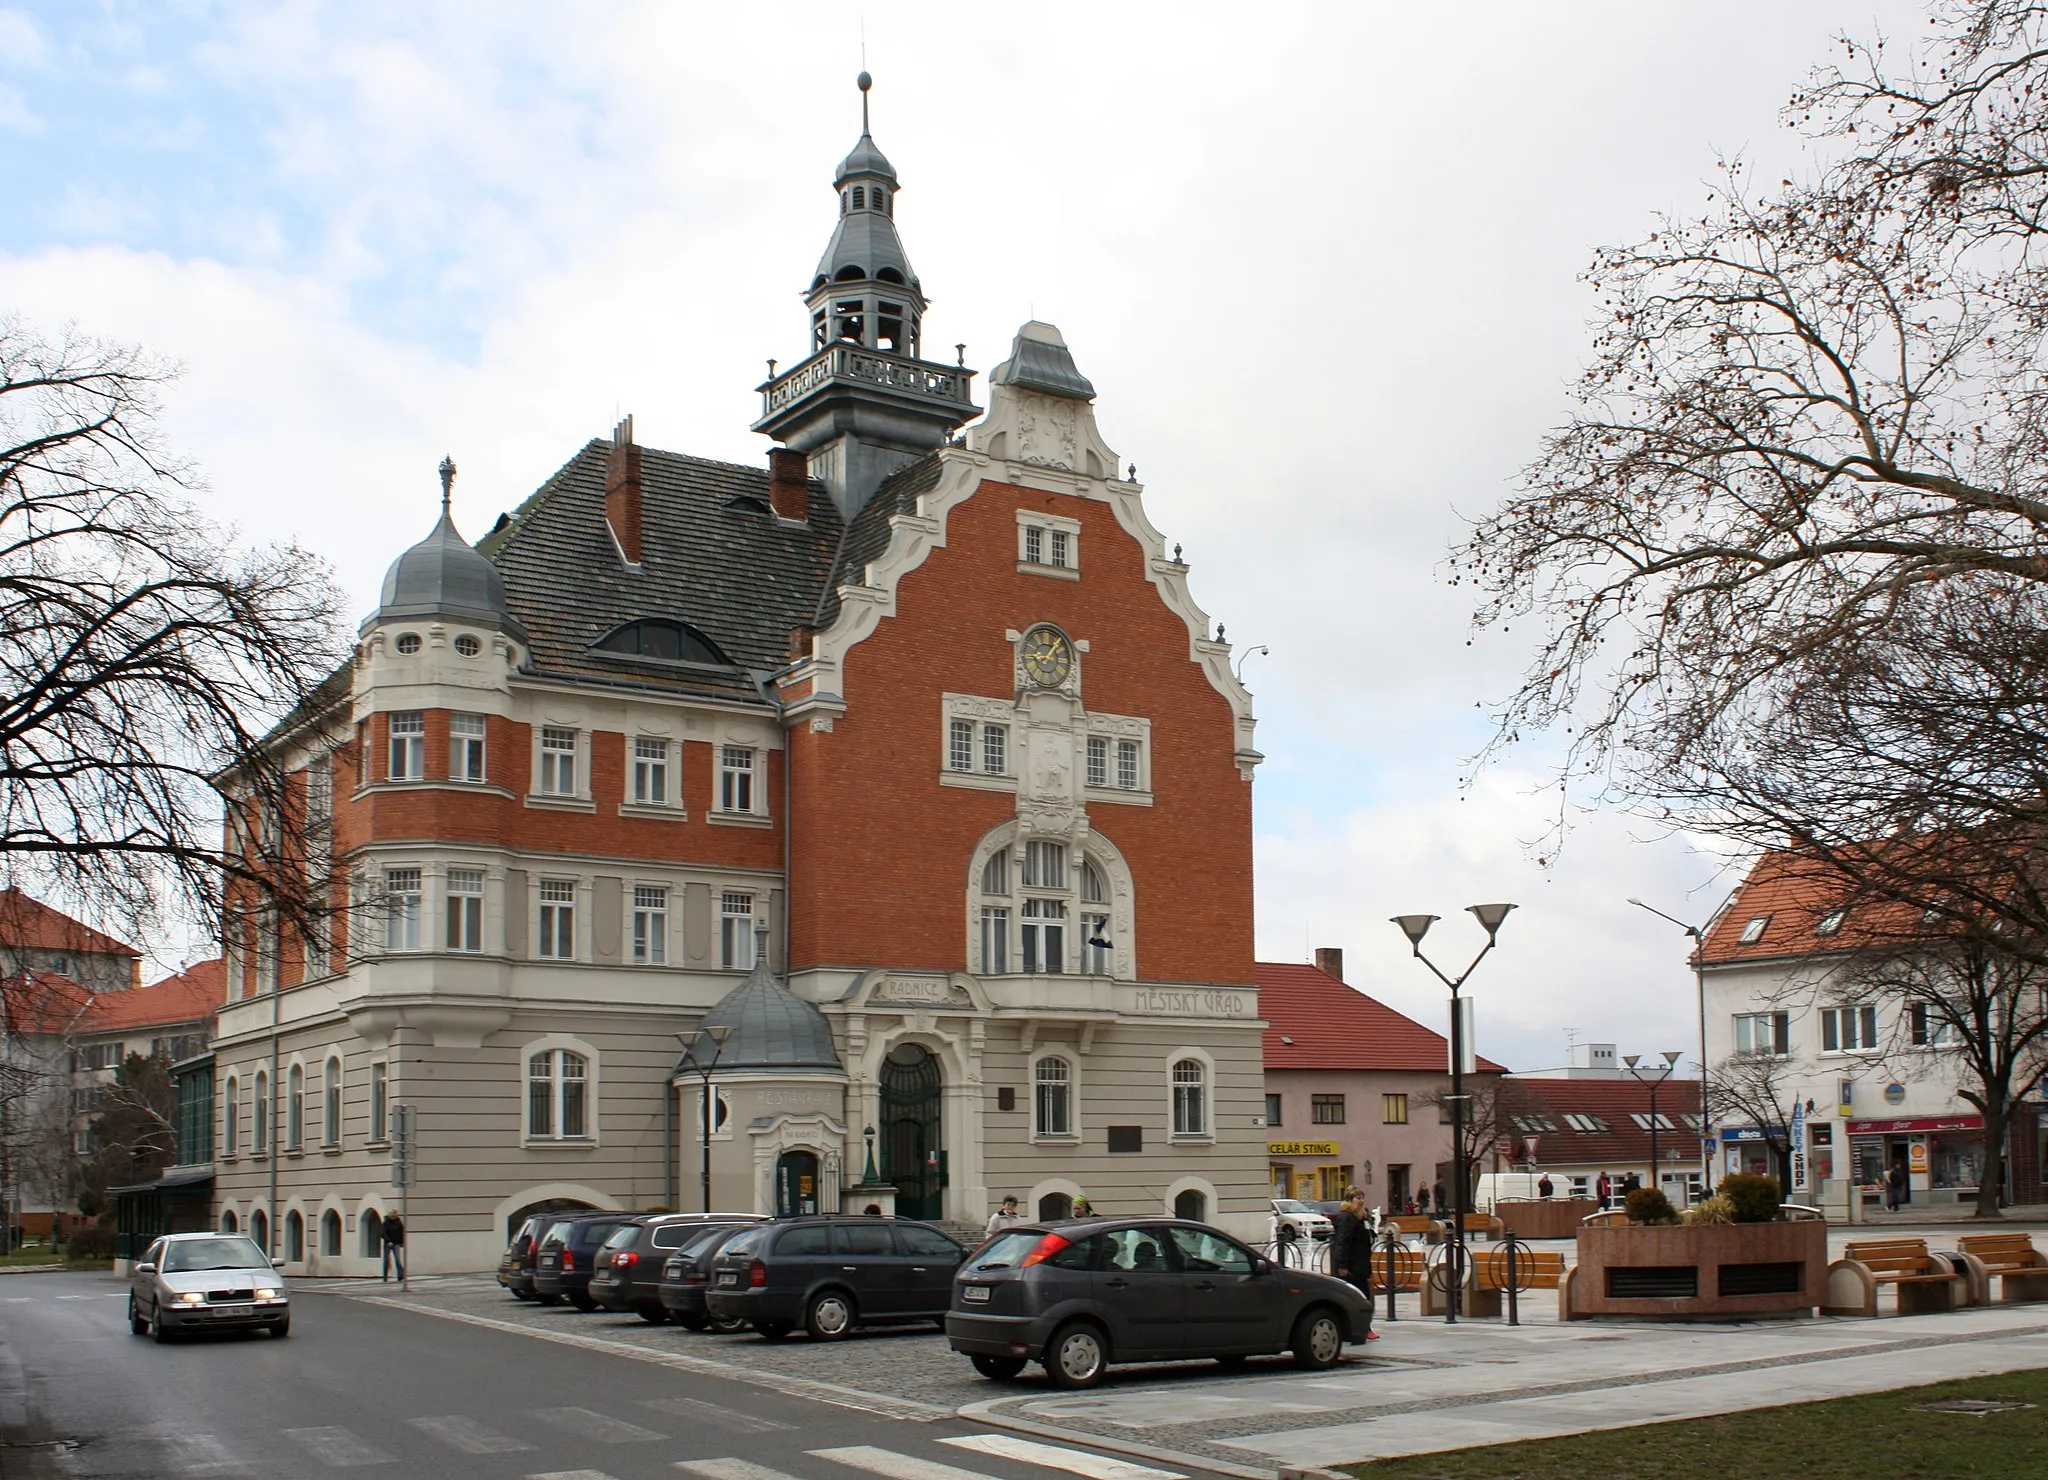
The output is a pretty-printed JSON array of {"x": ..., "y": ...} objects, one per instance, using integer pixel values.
[{"x": 865, "y": 402}]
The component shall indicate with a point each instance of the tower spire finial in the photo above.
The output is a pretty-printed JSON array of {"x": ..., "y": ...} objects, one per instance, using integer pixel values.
[
  {"x": 864, "y": 82},
  {"x": 447, "y": 483}
]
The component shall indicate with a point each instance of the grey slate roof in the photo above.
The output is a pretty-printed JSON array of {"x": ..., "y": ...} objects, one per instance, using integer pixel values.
[
  {"x": 773, "y": 1028},
  {"x": 866, "y": 240},
  {"x": 442, "y": 576},
  {"x": 1043, "y": 364},
  {"x": 712, "y": 555},
  {"x": 868, "y": 536},
  {"x": 866, "y": 159}
]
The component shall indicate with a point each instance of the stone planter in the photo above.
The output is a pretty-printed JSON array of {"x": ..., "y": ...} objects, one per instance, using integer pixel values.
[
  {"x": 1731, "y": 1271},
  {"x": 1546, "y": 1217}
]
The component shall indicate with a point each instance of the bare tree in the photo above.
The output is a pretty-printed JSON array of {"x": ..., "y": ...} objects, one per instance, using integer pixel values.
[
  {"x": 134, "y": 1132},
  {"x": 1758, "y": 1089},
  {"x": 143, "y": 651}
]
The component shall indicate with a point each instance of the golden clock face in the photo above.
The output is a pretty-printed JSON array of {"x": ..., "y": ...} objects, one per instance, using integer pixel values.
[{"x": 1048, "y": 657}]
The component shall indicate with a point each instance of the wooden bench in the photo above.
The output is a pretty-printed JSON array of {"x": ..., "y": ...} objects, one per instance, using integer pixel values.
[
  {"x": 1410, "y": 1224},
  {"x": 1924, "y": 1281},
  {"x": 1407, "y": 1269},
  {"x": 1475, "y": 1223},
  {"x": 2021, "y": 1268},
  {"x": 1535, "y": 1269}
]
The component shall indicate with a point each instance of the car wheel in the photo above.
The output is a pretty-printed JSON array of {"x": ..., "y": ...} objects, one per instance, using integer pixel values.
[
  {"x": 1318, "y": 1339},
  {"x": 998, "y": 1369},
  {"x": 773, "y": 1330},
  {"x": 158, "y": 1331},
  {"x": 731, "y": 1327},
  {"x": 583, "y": 1303},
  {"x": 549, "y": 1299},
  {"x": 692, "y": 1323},
  {"x": 653, "y": 1315},
  {"x": 521, "y": 1294},
  {"x": 282, "y": 1328},
  {"x": 136, "y": 1323},
  {"x": 1077, "y": 1356},
  {"x": 831, "y": 1316}
]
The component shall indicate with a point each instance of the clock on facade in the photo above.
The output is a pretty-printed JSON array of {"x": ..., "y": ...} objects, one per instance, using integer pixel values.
[{"x": 1048, "y": 657}]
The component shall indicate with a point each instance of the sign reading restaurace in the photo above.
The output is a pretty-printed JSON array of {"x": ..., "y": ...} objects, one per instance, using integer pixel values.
[{"x": 1301, "y": 1148}]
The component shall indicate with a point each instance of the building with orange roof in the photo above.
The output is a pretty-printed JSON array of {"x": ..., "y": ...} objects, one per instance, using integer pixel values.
[
  {"x": 1875, "y": 1083},
  {"x": 35, "y": 937}
]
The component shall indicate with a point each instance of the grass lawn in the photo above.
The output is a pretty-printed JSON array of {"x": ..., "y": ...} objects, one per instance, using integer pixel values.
[
  {"x": 1878, "y": 1436},
  {"x": 34, "y": 1254}
]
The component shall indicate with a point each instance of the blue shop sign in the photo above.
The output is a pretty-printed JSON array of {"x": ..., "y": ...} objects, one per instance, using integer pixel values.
[{"x": 1730, "y": 1134}]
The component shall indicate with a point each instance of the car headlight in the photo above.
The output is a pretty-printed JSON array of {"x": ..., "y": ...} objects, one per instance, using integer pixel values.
[
  {"x": 266, "y": 1294},
  {"x": 192, "y": 1297}
]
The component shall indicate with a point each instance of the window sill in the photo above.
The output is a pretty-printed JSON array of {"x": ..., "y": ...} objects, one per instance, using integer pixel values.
[
  {"x": 470, "y": 788},
  {"x": 375, "y": 1145},
  {"x": 542, "y": 802},
  {"x": 333, "y": 1149},
  {"x": 656, "y": 811},
  {"x": 1068, "y": 1140},
  {"x": 1190, "y": 1140},
  {"x": 1057, "y": 572},
  {"x": 977, "y": 781},
  {"x": 740, "y": 819},
  {"x": 1125, "y": 796},
  {"x": 561, "y": 1143}
]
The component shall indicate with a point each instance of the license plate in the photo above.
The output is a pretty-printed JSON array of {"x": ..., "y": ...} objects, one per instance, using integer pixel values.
[
  {"x": 728, "y": 1279},
  {"x": 975, "y": 1294}
]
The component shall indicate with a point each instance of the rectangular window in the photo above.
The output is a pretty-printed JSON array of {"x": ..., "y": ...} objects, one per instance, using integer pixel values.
[
  {"x": 1127, "y": 764},
  {"x": 1326, "y": 1109},
  {"x": 1045, "y": 865},
  {"x": 1930, "y": 1029},
  {"x": 1045, "y": 935},
  {"x": 1272, "y": 1110},
  {"x": 465, "y": 747},
  {"x": 735, "y": 778},
  {"x": 557, "y": 761},
  {"x": 736, "y": 930},
  {"x": 1095, "y": 945},
  {"x": 1034, "y": 544},
  {"x": 320, "y": 790},
  {"x": 269, "y": 945},
  {"x": 1098, "y": 761},
  {"x": 1848, "y": 1029},
  {"x": 995, "y": 749},
  {"x": 650, "y": 772},
  {"x": 1580, "y": 1121},
  {"x": 573, "y": 1080},
  {"x": 401, "y": 909},
  {"x": 650, "y": 924},
  {"x": 1058, "y": 540},
  {"x": 995, "y": 940},
  {"x": 960, "y": 745},
  {"x": 558, "y": 919},
  {"x": 408, "y": 746},
  {"x": 465, "y": 909},
  {"x": 1763, "y": 1032},
  {"x": 1393, "y": 1109},
  {"x": 380, "y": 1101},
  {"x": 540, "y": 1095}
]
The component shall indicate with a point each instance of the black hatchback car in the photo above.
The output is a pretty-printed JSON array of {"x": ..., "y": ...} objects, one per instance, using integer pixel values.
[
  {"x": 515, "y": 1265},
  {"x": 686, "y": 1275},
  {"x": 1080, "y": 1296},
  {"x": 568, "y": 1254},
  {"x": 832, "y": 1274},
  {"x": 627, "y": 1272}
]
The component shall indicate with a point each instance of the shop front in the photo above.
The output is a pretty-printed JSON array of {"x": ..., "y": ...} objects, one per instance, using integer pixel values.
[
  {"x": 1943, "y": 1156},
  {"x": 1309, "y": 1170}
]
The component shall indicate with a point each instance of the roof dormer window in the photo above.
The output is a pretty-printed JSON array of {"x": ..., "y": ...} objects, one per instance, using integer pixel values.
[
  {"x": 1753, "y": 931},
  {"x": 656, "y": 637},
  {"x": 1830, "y": 922}
]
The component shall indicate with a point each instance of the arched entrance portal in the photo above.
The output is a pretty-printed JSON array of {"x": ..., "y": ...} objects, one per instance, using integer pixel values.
[
  {"x": 915, "y": 1160},
  {"x": 796, "y": 1184}
]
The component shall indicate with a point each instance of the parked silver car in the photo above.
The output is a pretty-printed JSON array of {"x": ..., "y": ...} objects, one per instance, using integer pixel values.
[{"x": 207, "y": 1282}]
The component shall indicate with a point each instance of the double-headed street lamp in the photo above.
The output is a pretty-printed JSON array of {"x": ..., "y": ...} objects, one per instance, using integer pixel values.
[
  {"x": 1653, "y": 1076},
  {"x": 707, "y": 1106},
  {"x": 1699, "y": 981},
  {"x": 1415, "y": 927}
]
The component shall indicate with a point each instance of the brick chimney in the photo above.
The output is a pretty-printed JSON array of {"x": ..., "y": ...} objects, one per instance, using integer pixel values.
[
  {"x": 622, "y": 491},
  {"x": 789, "y": 483},
  {"x": 1330, "y": 959}
]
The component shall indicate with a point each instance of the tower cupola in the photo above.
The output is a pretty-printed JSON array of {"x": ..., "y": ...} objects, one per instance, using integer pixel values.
[{"x": 865, "y": 402}]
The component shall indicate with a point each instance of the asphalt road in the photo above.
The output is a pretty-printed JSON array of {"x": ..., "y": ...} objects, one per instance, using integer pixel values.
[{"x": 388, "y": 1392}]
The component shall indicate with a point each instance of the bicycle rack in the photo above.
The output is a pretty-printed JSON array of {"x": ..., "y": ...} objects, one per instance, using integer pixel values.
[{"x": 1505, "y": 1251}]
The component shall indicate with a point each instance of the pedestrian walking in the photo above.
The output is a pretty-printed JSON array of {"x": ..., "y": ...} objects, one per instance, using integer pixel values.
[
  {"x": 1083, "y": 1208},
  {"x": 1543, "y": 1187},
  {"x": 1894, "y": 1188},
  {"x": 1003, "y": 1217},
  {"x": 394, "y": 1245},
  {"x": 1422, "y": 1200},
  {"x": 1442, "y": 1204},
  {"x": 1351, "y": 1252},
  {"x": 1606, "y": 1189}
]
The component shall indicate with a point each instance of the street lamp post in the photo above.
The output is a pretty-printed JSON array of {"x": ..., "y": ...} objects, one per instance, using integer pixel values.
[
  {"x": 707, "y": 1107},
  {"x": 1699, "y": 982},
  {"x": 1653, "y": 1076},
  {"x": 1415, "y": 927}
]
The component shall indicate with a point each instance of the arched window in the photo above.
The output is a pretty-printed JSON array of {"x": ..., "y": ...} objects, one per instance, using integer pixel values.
[
  {"x": 259, "y": 1117},
  {"x": 1190, "y": 1098},
  {"x": 370, "y": 1233},
  {"x": 330, "y": 1105},
  {"x": 1039, "y": 905},
  {"x": 660, "y": 637},
  {"x": 228, "y": 1224},
  {"x": 231, "y": 1118},
  {"x": 294, "y": 1108},
  {"x": 1053, "y": 1103},
  {"x": 995, "y": 918},
  {"x": 860, "y": 198},
  {"x": 1055, "y": 1207},
  {"x": 557, "y": 1089},
  {"x": 330, "y": 1232},
  {"x": 294, "y": 1237},
  {"x": 259, "y": 1229},
  {"x": 1096, "y": 949},
  {"x": 1192, "y": 1205}
]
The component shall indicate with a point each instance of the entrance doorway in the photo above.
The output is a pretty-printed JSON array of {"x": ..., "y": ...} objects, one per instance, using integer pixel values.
[
  {"x": 913, "y": 1157},
  {"x": 796, "y": 1184},
  {"x": 1398, "y": 1190}
]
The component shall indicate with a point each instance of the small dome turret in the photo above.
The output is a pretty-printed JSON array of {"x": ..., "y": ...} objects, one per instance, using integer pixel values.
[
  {"x": 444, "y": 576},
  {"x": 772, "y": 1027}
]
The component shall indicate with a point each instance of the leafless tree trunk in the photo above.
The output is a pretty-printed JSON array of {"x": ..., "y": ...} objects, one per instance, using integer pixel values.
[{"x": 1757, "y": 1089}]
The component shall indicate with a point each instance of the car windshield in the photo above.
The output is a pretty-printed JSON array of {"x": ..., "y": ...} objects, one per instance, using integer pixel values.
[
  {"x": 1289, "y": 1205},
  {"x": 559, "y": 1233},
  {"x": 745, "y": 1242},
  {"x": 189, "y": 1255},
  {"x": 1007, "y": 1248},
  {"x": 623, "y": 1237}
]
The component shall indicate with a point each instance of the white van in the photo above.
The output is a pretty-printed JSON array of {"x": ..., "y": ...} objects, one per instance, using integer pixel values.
[{"x": 1494, "y": 1186}]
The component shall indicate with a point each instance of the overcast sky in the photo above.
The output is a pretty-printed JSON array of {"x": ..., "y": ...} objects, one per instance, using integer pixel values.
[{"x": 1320, "y": 261}]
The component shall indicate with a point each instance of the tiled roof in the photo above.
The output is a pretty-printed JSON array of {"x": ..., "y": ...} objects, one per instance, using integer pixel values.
[
  {"x": 29, "y": 923},
  {"x": 868, "y": 536},
  {"x": 192, "y": 996},
  {"x": 712, "y": 556},
  {"x": 1794, "y": 894},
  {"x": 1609, "y": 1101},
  {"x": 42, "y": 1002},
  {"x": 1317, "y": 1022}
]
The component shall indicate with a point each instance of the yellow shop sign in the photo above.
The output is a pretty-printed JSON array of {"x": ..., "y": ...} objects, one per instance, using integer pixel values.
[{"x": 1301, "y": 1148}]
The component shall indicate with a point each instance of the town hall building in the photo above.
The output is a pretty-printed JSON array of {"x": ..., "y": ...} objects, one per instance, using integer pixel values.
[{"x": 897, "y": 789}]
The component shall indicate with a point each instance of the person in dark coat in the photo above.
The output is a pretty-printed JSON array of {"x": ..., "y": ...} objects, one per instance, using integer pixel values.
[
  {"x": 1544, "y": 1187},
  {"x": 393, "y": 1233},
  {"x": 1351, "y": 1252}
]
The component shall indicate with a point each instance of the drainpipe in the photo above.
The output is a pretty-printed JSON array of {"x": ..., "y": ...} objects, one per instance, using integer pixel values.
[
  {"x": 773, "y": 700},
  {"x": 276, "y": 1008}
]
